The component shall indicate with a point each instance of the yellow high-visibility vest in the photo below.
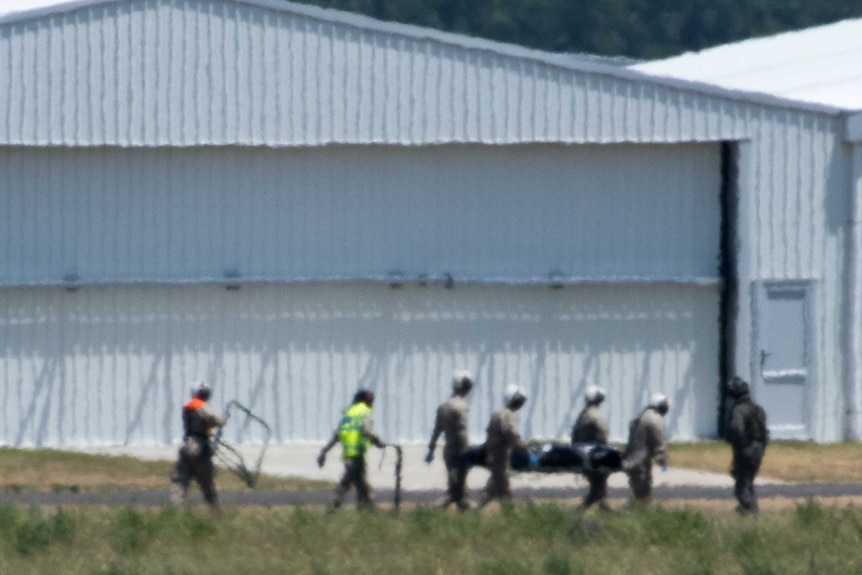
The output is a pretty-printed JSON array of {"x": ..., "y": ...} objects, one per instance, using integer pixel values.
[{"x": 353, "y": 440}]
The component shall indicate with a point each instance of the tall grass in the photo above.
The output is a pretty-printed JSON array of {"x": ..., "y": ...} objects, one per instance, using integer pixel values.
[{"x": 525, "y": 539}]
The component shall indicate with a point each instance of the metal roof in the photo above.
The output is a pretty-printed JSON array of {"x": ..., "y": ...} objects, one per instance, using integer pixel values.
[
  {"x": 817, "y": 65},
  {"x": 12, "y": 9}
]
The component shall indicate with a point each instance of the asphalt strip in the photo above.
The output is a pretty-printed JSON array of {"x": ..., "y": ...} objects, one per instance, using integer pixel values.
[{"x": 321, "y": 497}]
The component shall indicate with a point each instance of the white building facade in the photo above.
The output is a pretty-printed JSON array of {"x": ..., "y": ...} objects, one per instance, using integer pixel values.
[{"x": 291, "y": 203}]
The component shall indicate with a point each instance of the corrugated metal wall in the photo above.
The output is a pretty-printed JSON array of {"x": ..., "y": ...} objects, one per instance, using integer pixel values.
[
  {"x": 122, "y": 357},
  {"x": 199, "y": 72},
  {"x": 505, "y": 214},
  {"x": 113, "y": 365}
]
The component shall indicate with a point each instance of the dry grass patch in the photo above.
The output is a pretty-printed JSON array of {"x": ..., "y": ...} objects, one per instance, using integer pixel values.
[
  {"x": 793, "y": 461},
  {"x": 53, "y": 470}
]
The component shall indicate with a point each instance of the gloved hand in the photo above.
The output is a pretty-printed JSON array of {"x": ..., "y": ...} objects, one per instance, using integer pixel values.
[
  {"x": 664, "y": 468},
  {"x": 321, "y": 459},
  {"x": 430, "y": 457},
  {"x": 534, "y": 461}
]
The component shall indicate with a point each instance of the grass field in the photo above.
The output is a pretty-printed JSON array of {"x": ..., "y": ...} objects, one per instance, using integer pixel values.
[
  {"x": 538, "y": 539},
  {"x": 548, "y": 538}
]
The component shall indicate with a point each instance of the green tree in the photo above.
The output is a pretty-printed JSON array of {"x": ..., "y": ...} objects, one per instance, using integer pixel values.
[{"x": 642, "y": 29}]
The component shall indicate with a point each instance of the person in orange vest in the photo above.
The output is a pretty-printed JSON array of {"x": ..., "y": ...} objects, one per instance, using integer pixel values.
[
  {"x": 195, "y": 458},
  {"x": 355, "y": 433}
]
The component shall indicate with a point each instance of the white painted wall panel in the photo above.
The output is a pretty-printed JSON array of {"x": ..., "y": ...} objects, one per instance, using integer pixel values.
[
  {"x": 504, "y": 214},
  {"x": 218, "y": 72},
  {"x": 795, "y": 213},
  {"x": 114, "y": 365}
]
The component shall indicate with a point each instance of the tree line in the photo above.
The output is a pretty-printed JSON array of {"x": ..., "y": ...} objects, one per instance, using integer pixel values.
[{"x": 640, "y": 29}]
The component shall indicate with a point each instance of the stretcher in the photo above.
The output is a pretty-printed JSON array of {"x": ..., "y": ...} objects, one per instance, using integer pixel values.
[
  {"x": 555, "y": 457},
  {"x": 228, "y": 456}
]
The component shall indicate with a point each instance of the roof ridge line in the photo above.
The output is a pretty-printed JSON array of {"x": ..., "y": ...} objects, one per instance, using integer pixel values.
[{"x": 420, "y": 33}]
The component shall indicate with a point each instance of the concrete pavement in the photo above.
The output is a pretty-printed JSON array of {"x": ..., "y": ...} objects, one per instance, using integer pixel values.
[{"x": 300, "y": 461}]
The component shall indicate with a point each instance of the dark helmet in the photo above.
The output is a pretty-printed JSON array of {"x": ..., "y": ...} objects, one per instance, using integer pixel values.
[
  {"x": 364, "y": 395},
  {"x": 738, "y": 387},
  {"x": 202, "y": 391},
  {"x": 462, "y": 380}
]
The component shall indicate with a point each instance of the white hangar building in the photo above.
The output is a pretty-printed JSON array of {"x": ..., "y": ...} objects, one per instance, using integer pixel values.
[{"x": 291, "y": 203}]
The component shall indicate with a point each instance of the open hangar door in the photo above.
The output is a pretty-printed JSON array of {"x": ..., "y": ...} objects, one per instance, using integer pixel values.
[{"x": 547, "y": 266}]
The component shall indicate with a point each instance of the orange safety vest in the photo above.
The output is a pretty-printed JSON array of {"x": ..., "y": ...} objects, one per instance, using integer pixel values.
[{"x": 193, "y": 405}]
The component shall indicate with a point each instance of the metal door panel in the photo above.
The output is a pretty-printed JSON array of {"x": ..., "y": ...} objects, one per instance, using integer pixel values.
[{"x": 781, "y": 354}]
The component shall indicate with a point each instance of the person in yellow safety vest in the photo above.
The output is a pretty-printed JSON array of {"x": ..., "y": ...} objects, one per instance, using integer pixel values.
[
  {"x": 194, "y": 460},
  {"x": 355, "y": 433}
]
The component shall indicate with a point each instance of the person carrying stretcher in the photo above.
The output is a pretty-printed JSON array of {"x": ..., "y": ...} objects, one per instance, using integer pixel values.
[{"x": 591, "y": 428}]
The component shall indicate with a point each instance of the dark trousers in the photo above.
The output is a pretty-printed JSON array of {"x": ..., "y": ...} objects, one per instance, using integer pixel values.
[
  {"x": 746, "y": 464},
  {"x": 498, "y": 485},
  {"x": 598, "y": 489},
  {"x": 355, "y": 474},
  {"x": 456, "y": 479},
  {"x": 640, "y": 480},
  {"x": 196, "y": 466}
]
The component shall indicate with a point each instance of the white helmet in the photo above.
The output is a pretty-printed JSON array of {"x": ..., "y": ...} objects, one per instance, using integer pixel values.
[
  {"x": 658, "y": 400},
  {"x": 594, "y": 394},
  {"x": 461, "y": 378},
  {"x": 512, "y": 393}
]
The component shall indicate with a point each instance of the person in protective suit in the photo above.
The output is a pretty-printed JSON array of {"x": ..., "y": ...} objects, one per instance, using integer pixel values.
[
  {"x": 590, "y": 427},
  {"x": 195, "y": 458},
  {"x": 748, "y": 436},
  {"x": 645, "y": 444},
  {"x": 451, "y": 421},
  {"x": 502, "y": 438},
  {"x": 355, "y": 433}
]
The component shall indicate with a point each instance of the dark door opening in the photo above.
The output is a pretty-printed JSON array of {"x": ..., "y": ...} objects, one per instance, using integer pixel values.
[{"x": 729, "y": 289}]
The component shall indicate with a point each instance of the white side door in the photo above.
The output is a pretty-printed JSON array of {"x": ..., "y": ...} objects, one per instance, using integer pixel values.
[{"x": 782, "y": 355}]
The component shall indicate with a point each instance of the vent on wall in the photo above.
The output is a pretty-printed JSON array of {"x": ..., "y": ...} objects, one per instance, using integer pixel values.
[{"x": 232, "y": 275}]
